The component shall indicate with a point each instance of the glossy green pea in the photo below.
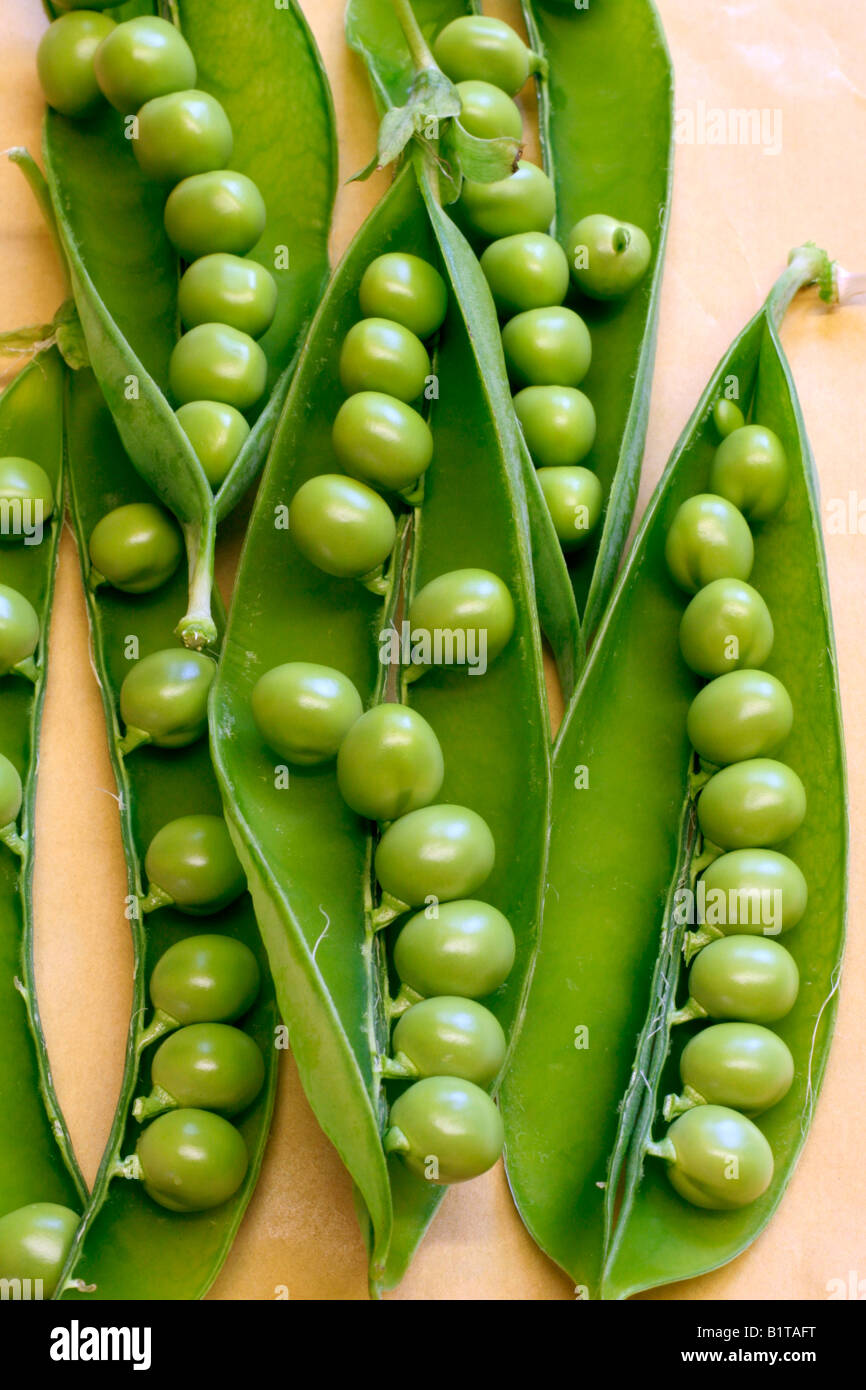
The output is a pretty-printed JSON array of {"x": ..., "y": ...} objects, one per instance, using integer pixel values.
[
  {"x": 205, "y": 979},
  {"x": 547, "y": 347},
  {"x": 163, "y": 699},
  {"x": 19, "y": 629},
  {"x": 749, "y": 880},
  {"x": 389, "y": 763},
  {"x": 743, "y": 714},
  {"x": 558, "y": 424},
  {"x": 450, "y": 1036},
  {"x": 191, "y": 864},
  {"x": 141, "y": 59},
  {"x": 750, "y": 469},
  {"x": 470, "y": 601},
  {"x": 228, "y": 289},
  {"x": 742, "y": 1065},
  {"x": 191, "y": 1160},
  {"x": 574, "y": 498},
  {"x": 304, "y": 711},
  {"x": 529, "y": 271},
  {"x": 466, "y": 948},
  {"x": 34, "y": 1243},
  {"x": 12, "y": 793},
  {"x": 750, "y": 979},
  {"x": 727, "y": 416},
  {"x": 342, "y": 526},
  {"x": 26, "y": 498},
  {"x": 64, "y": 61},
  {"x": 214, "y": 362},
  {"x": 220, "y": 211},
  {"x": 135, "y": 548},
  {"x": 442, "y": 852},
  {"x": 476, "y": 46},
  {"x": 726, "y": 626},
  {"x": 608, "y": 258},
  {"x": 181, "y": 134},
  {"x": 718, "y": 1160},
  {"x": 525, "y": 201},
  {"x": 209, "y": 1066},
  {"x": 217, "y": 433},
  {"x": 406, "y": 290},
  {"x": 382, "y": 440},
  {"x": 445, "y": 1130},
  {"x": 754, "y": 803},
  {"x": 487, "y": 112},
  {"x": 380, "y": 355},
  {"x": 708, "y": 539}
]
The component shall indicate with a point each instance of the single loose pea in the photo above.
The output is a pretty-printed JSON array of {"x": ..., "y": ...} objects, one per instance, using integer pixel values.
[
  {"x": 754, "y": 803},
  {"x": 757, "y": 891},
  {"x": 558, "y": 424},
  {"x": 205, "y": 979},
  {"x": 209, "y": 1066},
  {"x": 529, "y": 271},
  {"x": 135, "y": 548},
  {"x": 141, "y": 59},
  {"x": 19, "y": 630},
  {"x": 476, "y": 46},
  {"x": 717, "y": 1159},
  {"x": 217, "y": 433},
  {"x": 742, "y": 1065},
  {"x": 525, "y": 201},
  {"x": 467, "y": 948},
  {"x": 389, "y": 763},
  {"x": 471, "y": 602},
  {"x": 163, "y": 699},
  {"x": 220, "y": 211},
  {"x": 382, "y": 441},
  {"x": 708, "y": 539},
  {"x": 547, "y": 347},
  {"x": 750, "y": 979},
  {"x": 405, "y": 289},
  {"x": 342, "y": 526},
  {"x": 181, "y": 134},
  {"x": 191, "y": 1160},
  {"x": 727, "y": 416},
  {"x": 191, "y": 865},
  {"x": 450, "y": 1036},
  {"x": 34, "y": 1243},
  {"x": 574, "y": 498},
  {"x": 12, "y": 793},
  {"x": 727, "y": 626},
  {"x": 380, "y": 355},
  {"x": 26, "y": 499},
  {"x": 304, "y": 711},
  {"x": 608, "y": 258},
  {"x": 64, "y": 61},
  {"x": 214, "y": 362},
  {"x": 487, "y": 112},
  {"x": 442, "y": 852},
  {"x": 750, "y": 468},
  {"x": 743, "y": 714},
  {"x": 445, "y": 1130},
  {"x": 228, "y": 289}
]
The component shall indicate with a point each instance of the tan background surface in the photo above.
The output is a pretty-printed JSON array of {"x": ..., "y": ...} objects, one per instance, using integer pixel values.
[{"x": 736, "y": 212}]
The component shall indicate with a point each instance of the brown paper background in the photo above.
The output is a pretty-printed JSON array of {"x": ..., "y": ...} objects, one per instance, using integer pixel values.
[{"x": 736, "y": 212}]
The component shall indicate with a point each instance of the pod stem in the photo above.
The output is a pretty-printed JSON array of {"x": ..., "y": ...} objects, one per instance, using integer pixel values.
[
  {"x": 397, "y": 1068},
  {"x": 394, "y": 1141},
  {"x": 375, "y": 581},
  {"x": 678, "y": 1105},
  {"x": 95, "y": 579},
  {"x": 132, "y": 739},
  {"x": 662, "y": 1148},
  {"x": 413, "y": 495},
  {"x": 129, "y": 1167},
  {"x": 28, "y": 669},
  {"x": 156, "y": 898},
  {"x": 389, "y": 908},
  {"x": 688, "y": 1013},
  {"x": 807, "y": 265},
  {"x": 197, "y": 628},
  {"x": 413, "y": 673},
  {"x": 9, "y": 836},
  {"x": 422, "y": 58},
  {"x": 148, "y": 1107},
  {"x": 159, "y": 1025},
  {"x": 404, "y": 1000},
  {"x": 695, "y": 941}
]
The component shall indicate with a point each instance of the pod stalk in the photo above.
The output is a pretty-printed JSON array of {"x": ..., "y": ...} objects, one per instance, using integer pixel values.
[
  {"x": 690, "y": 1011},
  {"x": 678, "y": 1105},
  {"x": 132, "y": 739},
  {"x": 422, "y": 58},
  {"x": 148, "y": 1107},
  {"x": 156, "y": 898},
  {"x": 807, "y": 265},
  {"x": 9, "y": 836},
  {"x": 404, "y": 1000},
  {"x": 197, "y": 628},
  {"x": 159, "y": 1025},
  {"x": 28, "y": 669},
  {"x": 394, "y": 1141},
  {"x": 389, "y": 908}
]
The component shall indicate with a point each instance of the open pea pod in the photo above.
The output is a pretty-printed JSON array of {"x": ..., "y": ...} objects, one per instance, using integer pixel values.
[
  {"x": 308, "y": 857},
  {"x": 261, "y": 63},
  {"x": 127, "y": 1246},
  {"x": 36, "y": 1159},
  {"x": 581, "y": 1104}
]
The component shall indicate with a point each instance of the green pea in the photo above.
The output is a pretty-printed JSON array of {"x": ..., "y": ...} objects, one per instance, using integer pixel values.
[
  {"x": 163, "y": 699},
  {"x": 379, "y": 355},
  {"x": 441, "y": 852},
  {"x": 487, "y": 112},
  {"x": 216, "y": 363},
  {"x": 191, "y": 865},
  {"x": 181, "y": 134},
  {"x": 19, "y": 630},
  {"x": 445, "y": 1130},
  {"x": 217, "y": 433},
  {"x": 209, "y": 1066},
  {"x": 34, "y": 1243},
  {"x": 547, "y": 347},
  {"x": 529, "y": 271},
  {"x": 191, "y": 1160},
  {"x": 718, "y": 1160},
  {"x": 558, "y": 424},
  {"x": 750, "y": 469},
  {"x": 12, "y": 793},
  {"x": 742, "y": 1065},
  {"x": 726, "y": 626},
  {"x": 467, "y": 948},
  {"x": 228, "y": 289},
  {"x": 141, "y": 59},
  {"x": 342, "y": 526},
  {"x": 743, "y": 714},
  {"x": 135, "y": 548},
  {"x": 574, "y": 498},
  {"x": 708, "y": 539},
  {"x": 471, "y": 602},
  {"x": 754, "y": 803},
  {"x": 406, "y": 290},
  {"x": 26, "y": 497},
  {"x": 382, "y": 441},
  {"x": 205, "y": 979},
  {"x": 220, "y": 211},
  {"x": 525, "y": 201},
  {"x": 389, "y": 763},
  {"x": 750, "y": 979},
  {"x": 479, "y": 46},
  {"x": 304, "y": 711},
  {"x": 749, "y": 880},
  {"x": 64, "y": 61},
  {"x": 608, "y": 258},
  {"x": 450, "y": 1036},
  {"x": 727, "y": 416}
]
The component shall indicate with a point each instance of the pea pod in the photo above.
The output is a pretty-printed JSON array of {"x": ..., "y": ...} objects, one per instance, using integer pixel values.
[{"x": 580, "y": 1105}]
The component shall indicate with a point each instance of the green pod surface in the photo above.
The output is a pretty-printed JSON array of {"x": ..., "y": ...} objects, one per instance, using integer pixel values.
[
  {"x": 579, "y": 1104},
  {"x": 308, "y": 858}
]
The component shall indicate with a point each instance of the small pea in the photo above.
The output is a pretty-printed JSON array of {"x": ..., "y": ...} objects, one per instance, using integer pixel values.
[
  {"x": 34, "y": 1243},
  {"x": 442, "y": 852},
  {"x": 487, "y": 112},
  {"x": 220, "y": 211},
  {"x": 19, "y": 632},
  {"x": 389, "y": 763},
  {"x": 727, "y": 416},
  {"x": 754, "y": 803},
  {"x": 529, "y": 271},
  {"x": 749, "y": 979},
  {"x": 405, "y": 289},
  {"x": 304, "y": 711},
  {"x": 382, "y": 441},
  {"x": 191, "y": 864},
  {"x": 467, "y": 948},
  {"x": 749, "y": 881},
  {"x": 558, "y": 424},
  {"x": 449, "y": 1036},
  {"x": 135, "y": 548},
  {"x": 207, "y": 978},
  {"x": 474, "y": 602},
  {"x": 228, "y": 289},
  {"x": 547, "y": 347},
  {"x": 742, "y": 1065},
  {"x": 525, "y": 201},
  {"x": 214, "y": 362},
  {"x": 342, "y": 526},
  {"x": 64, "y": 62},
  {"x": 12, "y": 793},
  {"x": 163, "y": 699},
  {"x": 142, "y": 58},
  {"x": 574, "y": 499},
  {"x": 181, "y": 134},
  {"x": 209, "y": 1066},
  {"x": 217, "y": 433},
  {"x": 380, "y": 355},
  {"x": 750, "y": 468},
  {"x": 476, "y": 46},
  {"x": 743, "y": 714},
  {"x": 717, "y": 1159},
  {"x": 445, "y": 1130},
  {"x": 26, "y": 498},
  {"x": 708, "y": 539},
  {"x": 726, "y": 626},
  {"x": 191, "y": 1160},
  {"x": 608, "y": 258}
]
